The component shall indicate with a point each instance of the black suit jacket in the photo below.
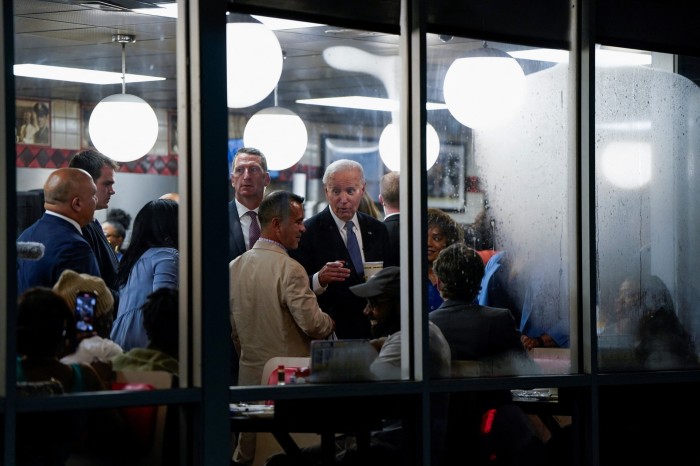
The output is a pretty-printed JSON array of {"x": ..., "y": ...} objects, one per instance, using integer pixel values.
[
  {"x": 236, "y": 243},
  {"x": 392, "y": 226},
  {"x": 106, "y": 258},
  {"x": 322, "y": 243}
]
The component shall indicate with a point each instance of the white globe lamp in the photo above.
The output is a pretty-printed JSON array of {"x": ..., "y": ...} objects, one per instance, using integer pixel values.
[
  {"x": 627, "y": 164},
  {"x": 278, "y": 133},
  {"x": 253, "y": 61},
  {"x": 389, "y": 147},
  {"x": 485, "y": 89},
  {"x": 123, "y": 126}
]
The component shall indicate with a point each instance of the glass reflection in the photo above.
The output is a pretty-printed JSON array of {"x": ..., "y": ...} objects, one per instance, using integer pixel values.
[
  {"x": 645, "y": 135},
  {"x": 510, "y": 186}
]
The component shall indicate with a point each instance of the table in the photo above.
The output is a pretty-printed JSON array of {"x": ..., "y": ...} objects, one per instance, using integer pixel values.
[{"x": 326, "y": 417}]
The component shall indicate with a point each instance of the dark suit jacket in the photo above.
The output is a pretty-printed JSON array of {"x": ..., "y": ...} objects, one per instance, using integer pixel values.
[
  {"x": 236, "y": 243},
  {"x": 106, "y": 259},
  {"x": 392, "y": 226},
  {"x": 322, "y": 243},
  {"x": 65, "y": 248},
  {"x": 477, "y": 332}
]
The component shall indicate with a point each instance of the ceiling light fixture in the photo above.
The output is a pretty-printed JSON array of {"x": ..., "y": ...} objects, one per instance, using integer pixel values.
[
  {"x": 359, "y": 102},
  {"x": 78, "y": 75},
  {"x": 166, "y": 10},
  {"x": 123, "y": 126},
  {"x": 253, "y": 61},
  {"x": 278, "y": 133},
  {"x": 603, "y": 56},
  {"x": 485, "y": 88}
]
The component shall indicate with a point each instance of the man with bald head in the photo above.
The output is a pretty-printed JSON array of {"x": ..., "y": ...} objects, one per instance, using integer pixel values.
[{"x": 70, "y": 199}]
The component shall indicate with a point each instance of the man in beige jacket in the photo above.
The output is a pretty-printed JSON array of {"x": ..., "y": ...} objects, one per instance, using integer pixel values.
[{"x": 273, "y": 310}]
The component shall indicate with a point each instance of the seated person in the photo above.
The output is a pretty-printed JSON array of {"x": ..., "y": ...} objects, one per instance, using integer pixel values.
[
  {"x": 93, "y": 344},
  {"x": 44, "y": 319},
  {"x": 384, "y": 312},
  {"x": 160, "y": 319},
  {"x": 662, "y": 342},
  {"x": 443, "y": 231},
  {"x": 487, "y": 335},
  {"x": 473, "y": 331}
]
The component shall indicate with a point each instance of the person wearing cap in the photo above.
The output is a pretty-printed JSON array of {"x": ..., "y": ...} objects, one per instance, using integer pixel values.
[
  {"x": 70, "y": 198},
  {"x": 382, "y": 294},
  {"x": 96, "y": 344},
  {"x": 273, "y": 310},
  {"x": 383, "y": 309}
]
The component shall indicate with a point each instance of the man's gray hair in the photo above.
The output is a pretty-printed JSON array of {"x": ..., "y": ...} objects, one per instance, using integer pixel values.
[{"x": 343, "y": 165}]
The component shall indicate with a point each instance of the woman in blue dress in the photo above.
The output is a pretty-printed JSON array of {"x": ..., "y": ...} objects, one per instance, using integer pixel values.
[
  {"x": 151, "y": 262},
  {"x": 443, "y": 231}
]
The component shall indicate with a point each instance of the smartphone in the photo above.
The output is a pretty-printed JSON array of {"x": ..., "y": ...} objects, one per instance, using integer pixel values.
[{"x": 85, "y": 303}]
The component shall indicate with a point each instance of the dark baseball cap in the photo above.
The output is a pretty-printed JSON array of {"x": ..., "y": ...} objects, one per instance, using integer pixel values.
[{"x": 386, "y": 282}]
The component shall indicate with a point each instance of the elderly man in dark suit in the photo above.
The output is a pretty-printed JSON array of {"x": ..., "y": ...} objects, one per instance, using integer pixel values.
[
  {"x": 70, "y": 198},
  {"x": 337, "y": 242}
]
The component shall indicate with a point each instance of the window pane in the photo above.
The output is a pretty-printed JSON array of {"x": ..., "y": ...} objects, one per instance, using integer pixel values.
[
  {"x": 339, "y": 87},
  {"x": 646, "y": 214},
  {"x": 53, "y": 115},
  {"x": 505, "y": 175}
]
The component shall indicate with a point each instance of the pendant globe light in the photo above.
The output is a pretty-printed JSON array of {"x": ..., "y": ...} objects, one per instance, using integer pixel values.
[
  {"x": 123, "y": 126},
  {"x": 389, "y": 147},
  {"x": 253, "y": 60},
  {"x": 278, "y": 133},
  {"x": 485, "y": 88}
]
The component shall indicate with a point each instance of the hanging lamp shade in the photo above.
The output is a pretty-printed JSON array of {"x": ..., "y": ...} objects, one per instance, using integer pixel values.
[
  {"x": 279, "y": 134},
  {"x": 253, "y": 61},
  {"x": 485, "y": 88},
  {"x": 389, "y": 147},
  {"x": 123, "y": 126}
]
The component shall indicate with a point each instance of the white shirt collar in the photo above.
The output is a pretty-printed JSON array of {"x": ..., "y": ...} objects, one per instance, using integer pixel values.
[
  {"x": 341, "y": 223},
  {"x": 242, "y": 210},
  {"x": 69, "y": 220}
]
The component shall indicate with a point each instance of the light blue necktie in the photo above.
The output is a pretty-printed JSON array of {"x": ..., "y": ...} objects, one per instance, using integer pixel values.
[{"x": 354, "y": 249}]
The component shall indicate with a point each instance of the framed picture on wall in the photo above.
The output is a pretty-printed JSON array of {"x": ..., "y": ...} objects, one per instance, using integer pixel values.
[
  {"x": 33, "y": 124},
  {"x": 363, "y": 151},
  {"x": 446, "y": 186},
  {"x": 172, "y": 133},
  {"x": 85, "y": 141}
]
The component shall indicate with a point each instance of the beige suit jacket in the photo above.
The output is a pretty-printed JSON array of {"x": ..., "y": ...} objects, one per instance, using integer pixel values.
[{"x": 273, "y": 310}]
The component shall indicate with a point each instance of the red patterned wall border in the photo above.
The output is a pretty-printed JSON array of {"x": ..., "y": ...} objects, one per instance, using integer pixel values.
[{"x": 32, "y": 156}]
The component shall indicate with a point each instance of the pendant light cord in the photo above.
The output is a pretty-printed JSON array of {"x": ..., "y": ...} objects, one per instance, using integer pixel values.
[{"x": 123, "y": 67}]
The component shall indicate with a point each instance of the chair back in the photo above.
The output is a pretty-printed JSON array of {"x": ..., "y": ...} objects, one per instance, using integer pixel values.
[
  {"x": 273, "y": 363},
  {"x": 150, "y": 423},
  {"x": 266, "y": 445}
]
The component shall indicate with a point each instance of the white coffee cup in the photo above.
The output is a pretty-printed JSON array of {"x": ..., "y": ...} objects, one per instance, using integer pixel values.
[{"x": 371, "y": 268}]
